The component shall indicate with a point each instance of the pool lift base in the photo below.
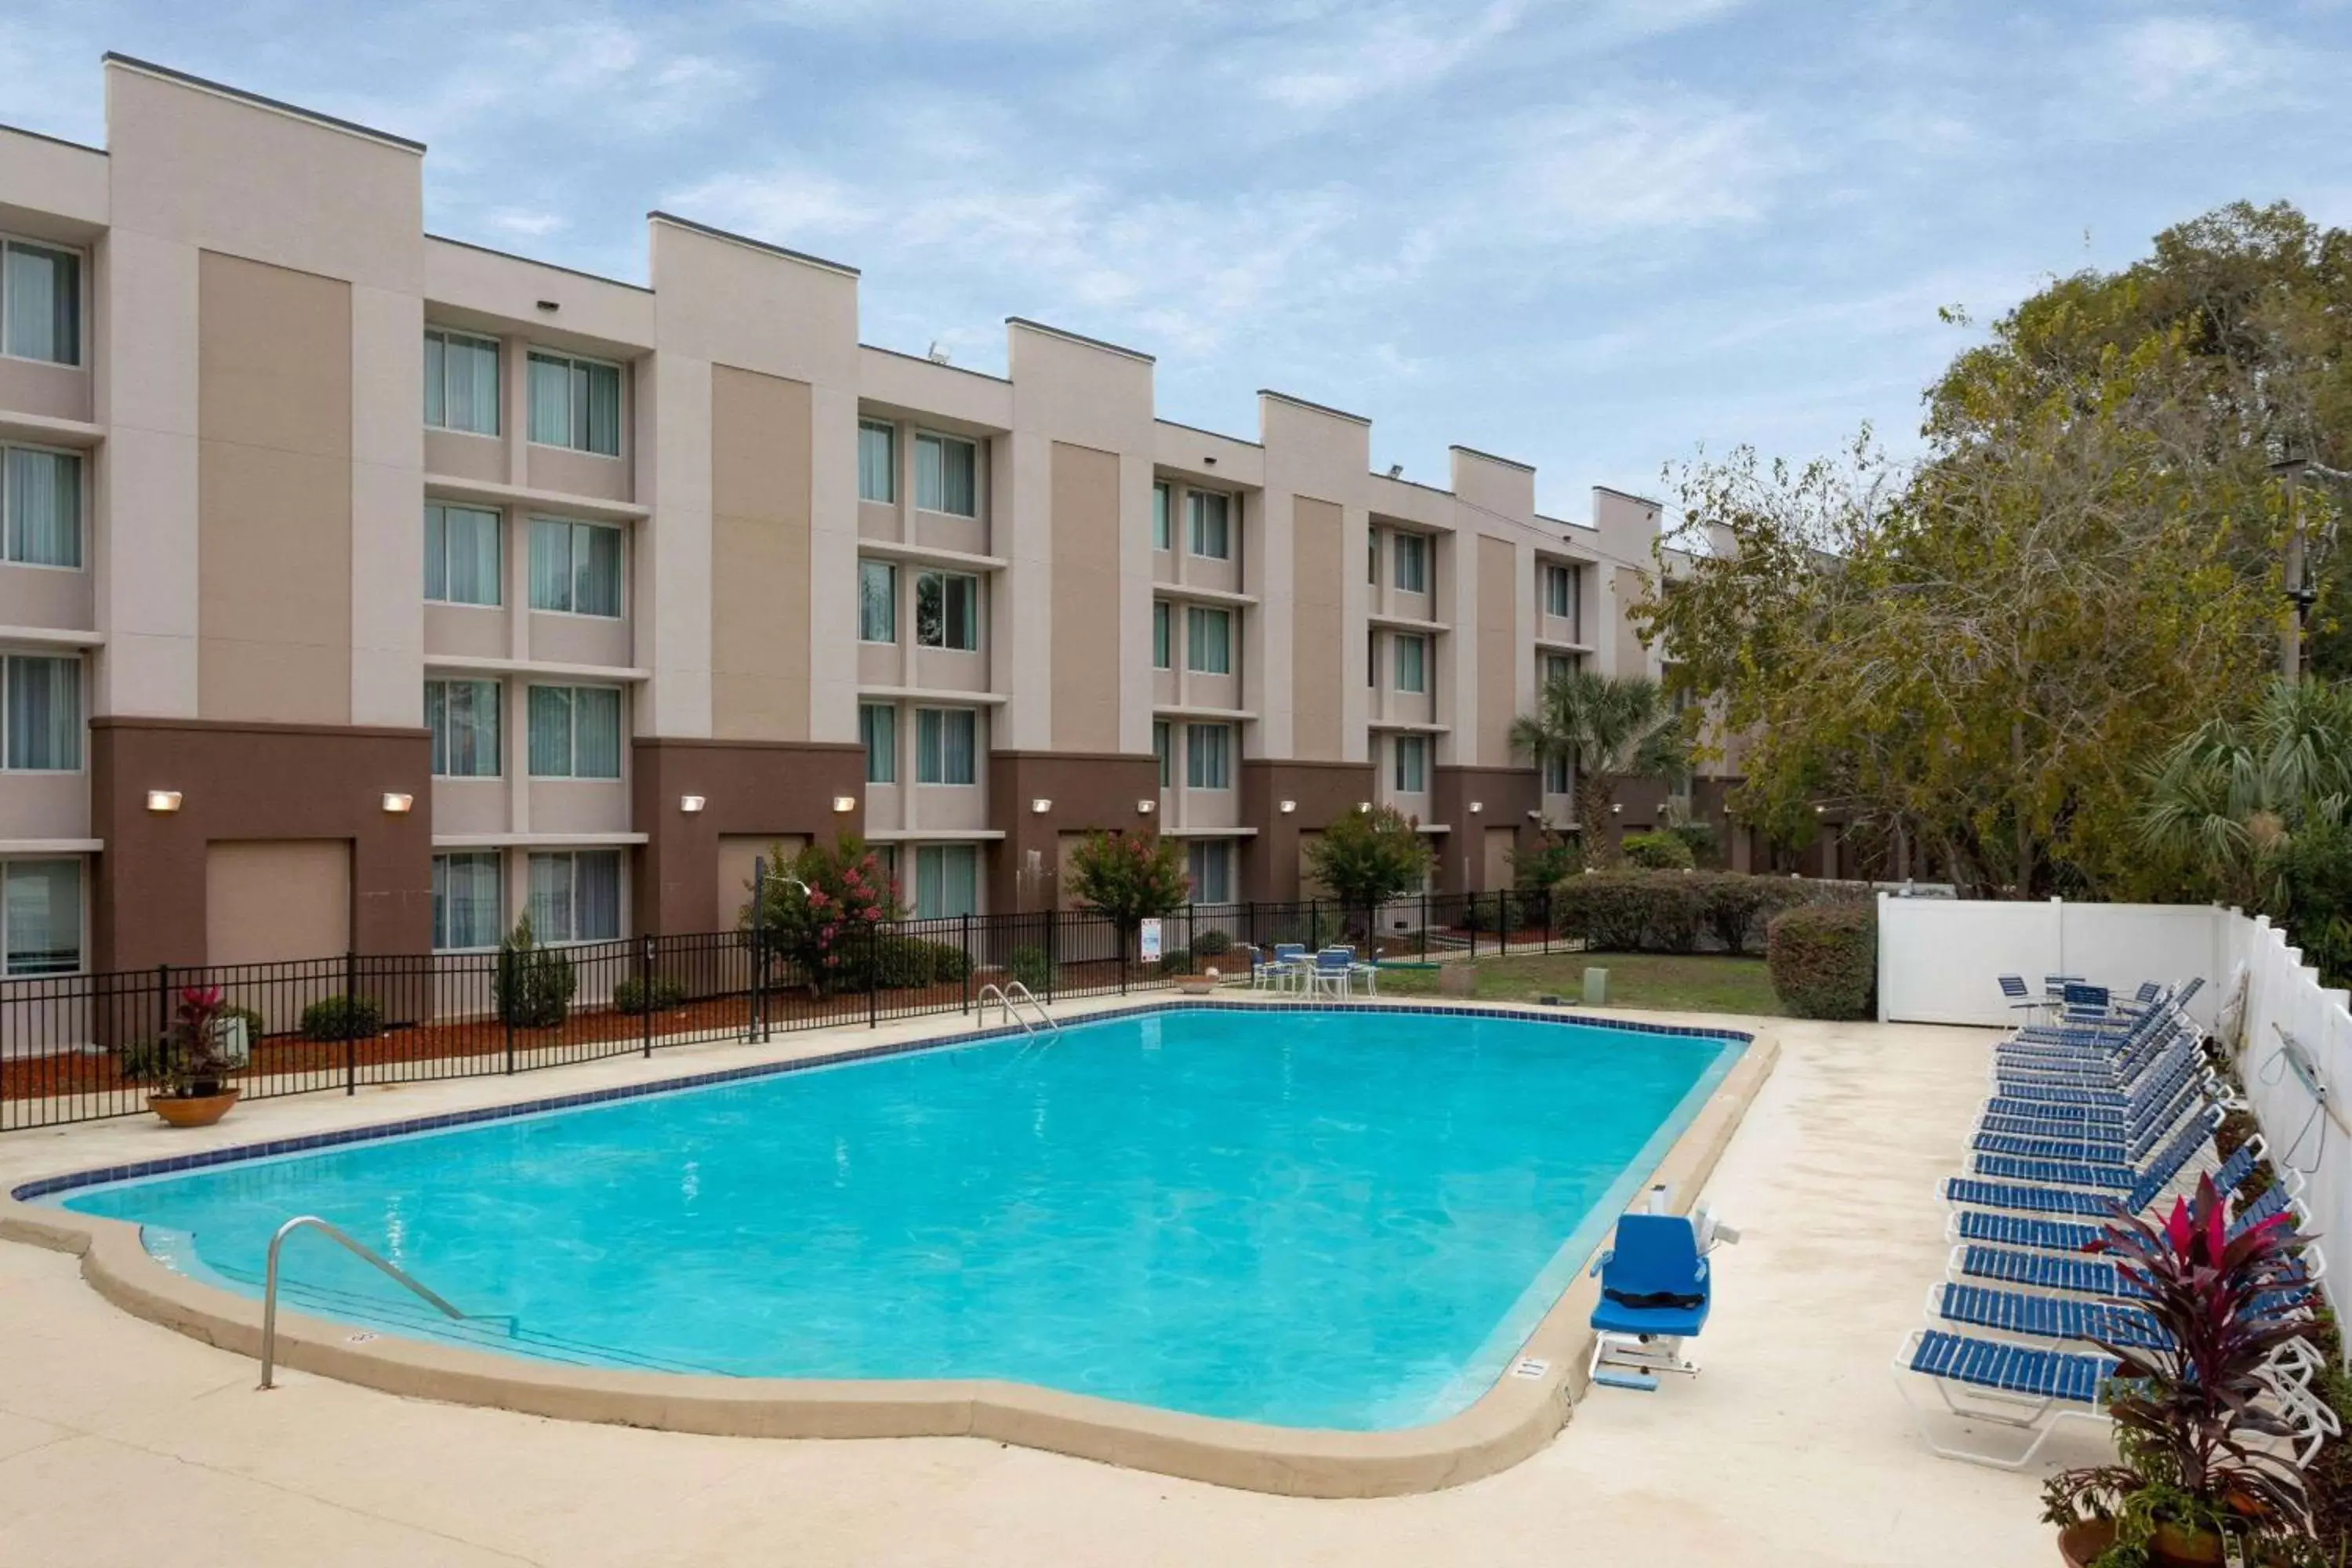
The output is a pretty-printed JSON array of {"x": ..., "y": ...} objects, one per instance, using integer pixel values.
[{"x": 1656, "y": 1256}]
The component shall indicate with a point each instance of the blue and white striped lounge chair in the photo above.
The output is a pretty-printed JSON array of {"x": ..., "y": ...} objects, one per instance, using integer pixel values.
[
  {"x": 2094, "y": 1147},
  {"x": 2006, "y": 1385},
  {"x": 2031, "y": 1197},
  {"x": 2107, "y": 1176},
  {"x": 2036, "y": 1227},
  {"x": 2055, "y": 1319},
  {"x": 2019, "y": 996}
]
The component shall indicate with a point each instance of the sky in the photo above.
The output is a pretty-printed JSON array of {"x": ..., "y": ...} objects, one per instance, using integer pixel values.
[{"x": 1601, "y": 237}]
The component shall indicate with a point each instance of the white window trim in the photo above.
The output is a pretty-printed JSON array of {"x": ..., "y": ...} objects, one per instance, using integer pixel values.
[
  {"x": 82, "y": 697},
  {"x": 617, "y": 366},
  {"x": 573, "y": 717},
  {"x": 921, "y": 783},
  {"x": 1163, "y": 635},
  {"x": 1232, "y": 510},
  {"x": 504, "y": 925},
  {"x": 459, "y": 678},
  {"x": 506, "y": 567},
  {"x": 891, "y": 428},
  {"x": 912, "y": 890},
  {"x": 978, "y": 633},
  {"x": 979, "y": 474},
  {"x": 82, "y": 492},
  {"x": 894, "y": 780},
  {"x": 82, "y": 935},
  {"x": 1398, "y": 642},
  {"x": 1424, "y": 548},
  {"x": 858, "y": 607},
  {"x": 500, "y": 345},
  {"x": 574, "y": 523},
  {"x": 1229, "y": 747},
  {"x": 1163, "y": 517},
  {"x": 621, "y": 912},
  {"x": 1418, "y": 746},
  {"x": 82, "y": 313},
  {"x": 1204, "y": 612}
]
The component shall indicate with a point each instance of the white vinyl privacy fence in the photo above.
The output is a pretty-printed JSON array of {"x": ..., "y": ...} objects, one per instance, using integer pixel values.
[{"x": 1939, "y": 962}]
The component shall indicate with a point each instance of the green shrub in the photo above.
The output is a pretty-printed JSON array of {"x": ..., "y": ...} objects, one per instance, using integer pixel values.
[
  {"x": 1824, "y": 959},
  {"x": 660, "y": 996},
  {"x": 533, "y": 983},
  {"x": 342, "y": 1018},
  {"x": 1033, "y": 967},
  {"x": 1697, "y": 836},
  {"x": 950, "y": 965},
  {"x": 1213, "y": 943},
  {"x": 1175, "y": 960},
  {"x": 1660, "y": 851},
  {"x": 1555, "y": 857}
]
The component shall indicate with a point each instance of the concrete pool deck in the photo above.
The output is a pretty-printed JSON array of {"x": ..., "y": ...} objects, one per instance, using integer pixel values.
[{"x": 120, "y": 1439}]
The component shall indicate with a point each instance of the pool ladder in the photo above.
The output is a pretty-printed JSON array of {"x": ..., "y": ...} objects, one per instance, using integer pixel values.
[
  {"x": 358, "y": 1249},
  {"x": 1009, "y": 998}
]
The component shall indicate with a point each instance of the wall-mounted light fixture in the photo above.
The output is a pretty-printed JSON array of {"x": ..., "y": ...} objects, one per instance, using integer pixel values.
[
  {"x": 1818, "y": 810},
  {"x": 844, "y": 803},
  {"x": 397, "y": 804},
  {"x": 162, "y": 800},
  {"x": 1363, "y": 806},
  {"x": 1476, "y": 806},
  {"x": 1041, "y": 805},
  {"x": 1616, "y": 808},
  {"x": 1288, "y": 806},
  {"x": 690, "y": 803},
  {"x": 550, "y": 306},
  {"x": 1146, "y": 808}
]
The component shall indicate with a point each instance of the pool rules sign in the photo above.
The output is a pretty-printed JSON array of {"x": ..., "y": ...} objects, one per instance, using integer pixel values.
[{"x": 1150, "y": 950}]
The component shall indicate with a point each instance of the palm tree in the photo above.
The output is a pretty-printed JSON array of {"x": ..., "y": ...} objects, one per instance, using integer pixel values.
[
  {"x": 1614, "y": 727},
  {"x": 2230, "y": 797}
]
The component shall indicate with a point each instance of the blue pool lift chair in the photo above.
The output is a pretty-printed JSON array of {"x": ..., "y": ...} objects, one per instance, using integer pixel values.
[{"x": 1655, "y": 1289}]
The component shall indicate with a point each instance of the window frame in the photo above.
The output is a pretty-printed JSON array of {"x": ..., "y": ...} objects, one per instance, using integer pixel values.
[
  {"x": 81, "y": 964},
  {"x": 1417, "y": 748},
  {"x": 571, "y": 857},
  {"x": 1554, "y": 573},
  {"x": 81, "y": 504},
  {"x": 571, "y": 721},
  {"x": 1196, "y": 518},
  {"x": 1163, "y": 512},
  {"x": 889, "y": 730},
  {"x": 1197, "y": 616},
  {"x": 943, "y": 438},
  {"x": 939, "y": 855},
  {"x": 1415, "y": 548},
  {"x": 498, "y": 554},
  {"x": 9, "y": 657},
  {"x": 439, "y": 743},
  {"x": 1558, "y": 774},
  {"x": 1202, "y": 850},
  {"x": 80, "y": 258},
  {"x": 889, "y": 431},
  {"x": 945, "y": 578},
  {"x": 531, "y": 353},
  {"x": 1398, "y": 643},
  {"x": 970, "y": 717},
  {"x": 499, "y": 879},
  {"x": 889, "y": 571},
  {"x": 1163, "y": 635},
  {"x": 575, "y": 527},
  {"x": 498, "y": 381},
  {"x": 1163, "y": 746},
  {"x": 1195, "y": 775}
]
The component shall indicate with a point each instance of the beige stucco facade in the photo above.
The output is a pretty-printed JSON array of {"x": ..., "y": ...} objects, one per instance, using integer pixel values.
[{"x": 703, "y": 506}]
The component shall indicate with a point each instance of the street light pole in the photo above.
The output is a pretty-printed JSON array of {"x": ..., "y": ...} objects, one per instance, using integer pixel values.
[{"x": 2300, "y": 595}]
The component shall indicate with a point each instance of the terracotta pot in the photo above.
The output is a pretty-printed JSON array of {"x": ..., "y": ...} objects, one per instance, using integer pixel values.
[
  {"x": 1197, "y": 984},
  {"x": 200, "y": 1110},
  {"x": 2079, "y": 1546}
]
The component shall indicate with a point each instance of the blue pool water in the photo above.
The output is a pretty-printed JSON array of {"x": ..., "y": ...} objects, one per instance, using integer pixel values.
[{"x": 1333, "y": 1219}]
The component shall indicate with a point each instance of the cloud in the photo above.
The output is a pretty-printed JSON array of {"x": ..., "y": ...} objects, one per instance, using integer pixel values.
[
  {"x": 524, "y": 222},
  {"x": 1396, "y": 49},
  {"x": 2192, "y": 60}
]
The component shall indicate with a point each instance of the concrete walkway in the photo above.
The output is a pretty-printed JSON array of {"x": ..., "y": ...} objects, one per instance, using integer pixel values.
[{"x": 124, "y": 1443}]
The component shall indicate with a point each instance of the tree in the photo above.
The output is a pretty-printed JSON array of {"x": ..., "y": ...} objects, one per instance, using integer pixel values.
[
  {"x": 816, "y": 907},
  {"x": 1367, "y": 857},
  {"x": 1129, "y": 877},
  {"x": 1615, "y": 727},
  {"x": 1980, "y": 655}
]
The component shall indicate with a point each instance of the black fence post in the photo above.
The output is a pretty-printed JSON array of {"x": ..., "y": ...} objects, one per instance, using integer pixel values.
[
  {"x": 1119, "y": 936},
  {"x": 646, "y": 987},
  {"x": 351, "y": 1022},
  {"x": 1315, "y": 925},
  {"x": 1503, "y": 922},
  {"x": 967, "y": 961},
  {"x": 506, "y": 991},
  {"x": 1053, "y": 948},
  {"x": 755, "y": 1018},
  {"x": 1424, "y": 925},
  {"x": 874, "y": 974},
  {"x": 163, "y": 1008}
]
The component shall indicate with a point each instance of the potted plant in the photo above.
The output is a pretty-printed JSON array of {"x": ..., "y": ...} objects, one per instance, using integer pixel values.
[
  {"x": 2189, "y": 1417},
  {"x": 191, "y": 1064}
]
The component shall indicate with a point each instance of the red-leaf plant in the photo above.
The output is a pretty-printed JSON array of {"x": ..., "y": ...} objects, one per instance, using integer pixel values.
[
  {"x": 2189, "y": 1413},
  {"x": 193, "y": 1065}
]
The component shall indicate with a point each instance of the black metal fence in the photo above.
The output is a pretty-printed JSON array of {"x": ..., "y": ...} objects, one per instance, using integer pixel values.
[{"x": 81, "y": 1046}]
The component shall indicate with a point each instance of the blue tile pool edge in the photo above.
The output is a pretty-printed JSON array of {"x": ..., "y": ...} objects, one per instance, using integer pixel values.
[{"x": 50, "y": 1187}]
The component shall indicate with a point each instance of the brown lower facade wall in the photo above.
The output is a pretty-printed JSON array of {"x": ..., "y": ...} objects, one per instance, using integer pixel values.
[
  {"x": 1506, "y": 798},
  {"x": 1322, "y": 792},
  {"x": 749, "y": 789},
  {"x": 1088, "y": 791},
  {"x": 242, "y": 782}
]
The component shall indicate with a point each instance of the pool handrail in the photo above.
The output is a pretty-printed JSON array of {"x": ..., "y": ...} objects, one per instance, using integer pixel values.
[
  {"x": 270, "y": 1287},
  {"x": 1007, "y": 997}
]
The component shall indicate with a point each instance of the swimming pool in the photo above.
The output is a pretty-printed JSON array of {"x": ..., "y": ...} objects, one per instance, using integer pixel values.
[{"x": 1329, "y": 1218}]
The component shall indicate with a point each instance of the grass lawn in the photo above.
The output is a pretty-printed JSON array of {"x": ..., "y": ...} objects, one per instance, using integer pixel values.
[{"x": 1696, "y": 983}]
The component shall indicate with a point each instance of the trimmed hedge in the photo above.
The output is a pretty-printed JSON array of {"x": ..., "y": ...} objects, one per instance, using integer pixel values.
[
  {"x": 1682, "y": 911},
  {"x": 342, "y": 1018},
  {"x": 1824, "y": 959},
  {"x": 658, "y": 996},
  {"x": 1659, "y": 851}
]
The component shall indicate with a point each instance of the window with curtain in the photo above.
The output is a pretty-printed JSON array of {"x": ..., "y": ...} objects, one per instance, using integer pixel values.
[
  {"x": 1162, "y": 657},
  {"x": 1163, "y": 747},
  {"x": 1411, "y": 763},
  {"x": 41, "y": 494},
  {"x": 1412, "y": 664},
  {"x": 575, "y": 895},
  {"x": 1372, "y": 555},
  {"x": 576, "y": 567},
  {"x": 1558, "y": 667},
  {"x": 1412, "y": 564},
  {"x": 461, "y": 555},
  {"x": 40, "y": 917},
  {"x": 878, "y": 601},
  {"x": 1212, "y": 533},
  {"x": 1160, "y": 517},
  {"x": 878, "y": 726},
  {"x": 1208, "y": 641},
  {"x": 1556, "y": 770},
  {"x": 575, "y": 402},
  {"x": 947, "y": 610},
  {"x": 1209, "y": 863},
  {"x": 461, "y": 382},
  {"x": 42, "y": 696},
  {"x": 469, "y": 902},
  {"x": 1559, "y": 591},
  {"x": 1208, "y": 756},
  {"x": 947, "y": 880},
  {"x": 40, "y": 302},
  {"x": 945, "y": 745},
  {"x": 947, "y": 474},
  {"x": 1371, "y": 659},
  {"x": 575, "y": 732},
  {"x": 464, "y": 718},
  {"x": 877, "y": 461}
]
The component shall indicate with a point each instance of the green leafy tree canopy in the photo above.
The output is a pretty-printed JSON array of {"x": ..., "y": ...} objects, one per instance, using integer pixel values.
[
  {"x": 1615, "y": 727},
  {"x": 1367, "y": 857}
]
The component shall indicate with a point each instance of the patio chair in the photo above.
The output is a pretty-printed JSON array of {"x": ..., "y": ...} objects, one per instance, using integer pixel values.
[
  {"x": 2029, "y": 1221},
  {"x": 1332, "y": 969},
  {"x": 2084, "y": 1202},
  {"x": 1288, "y": 970}
]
